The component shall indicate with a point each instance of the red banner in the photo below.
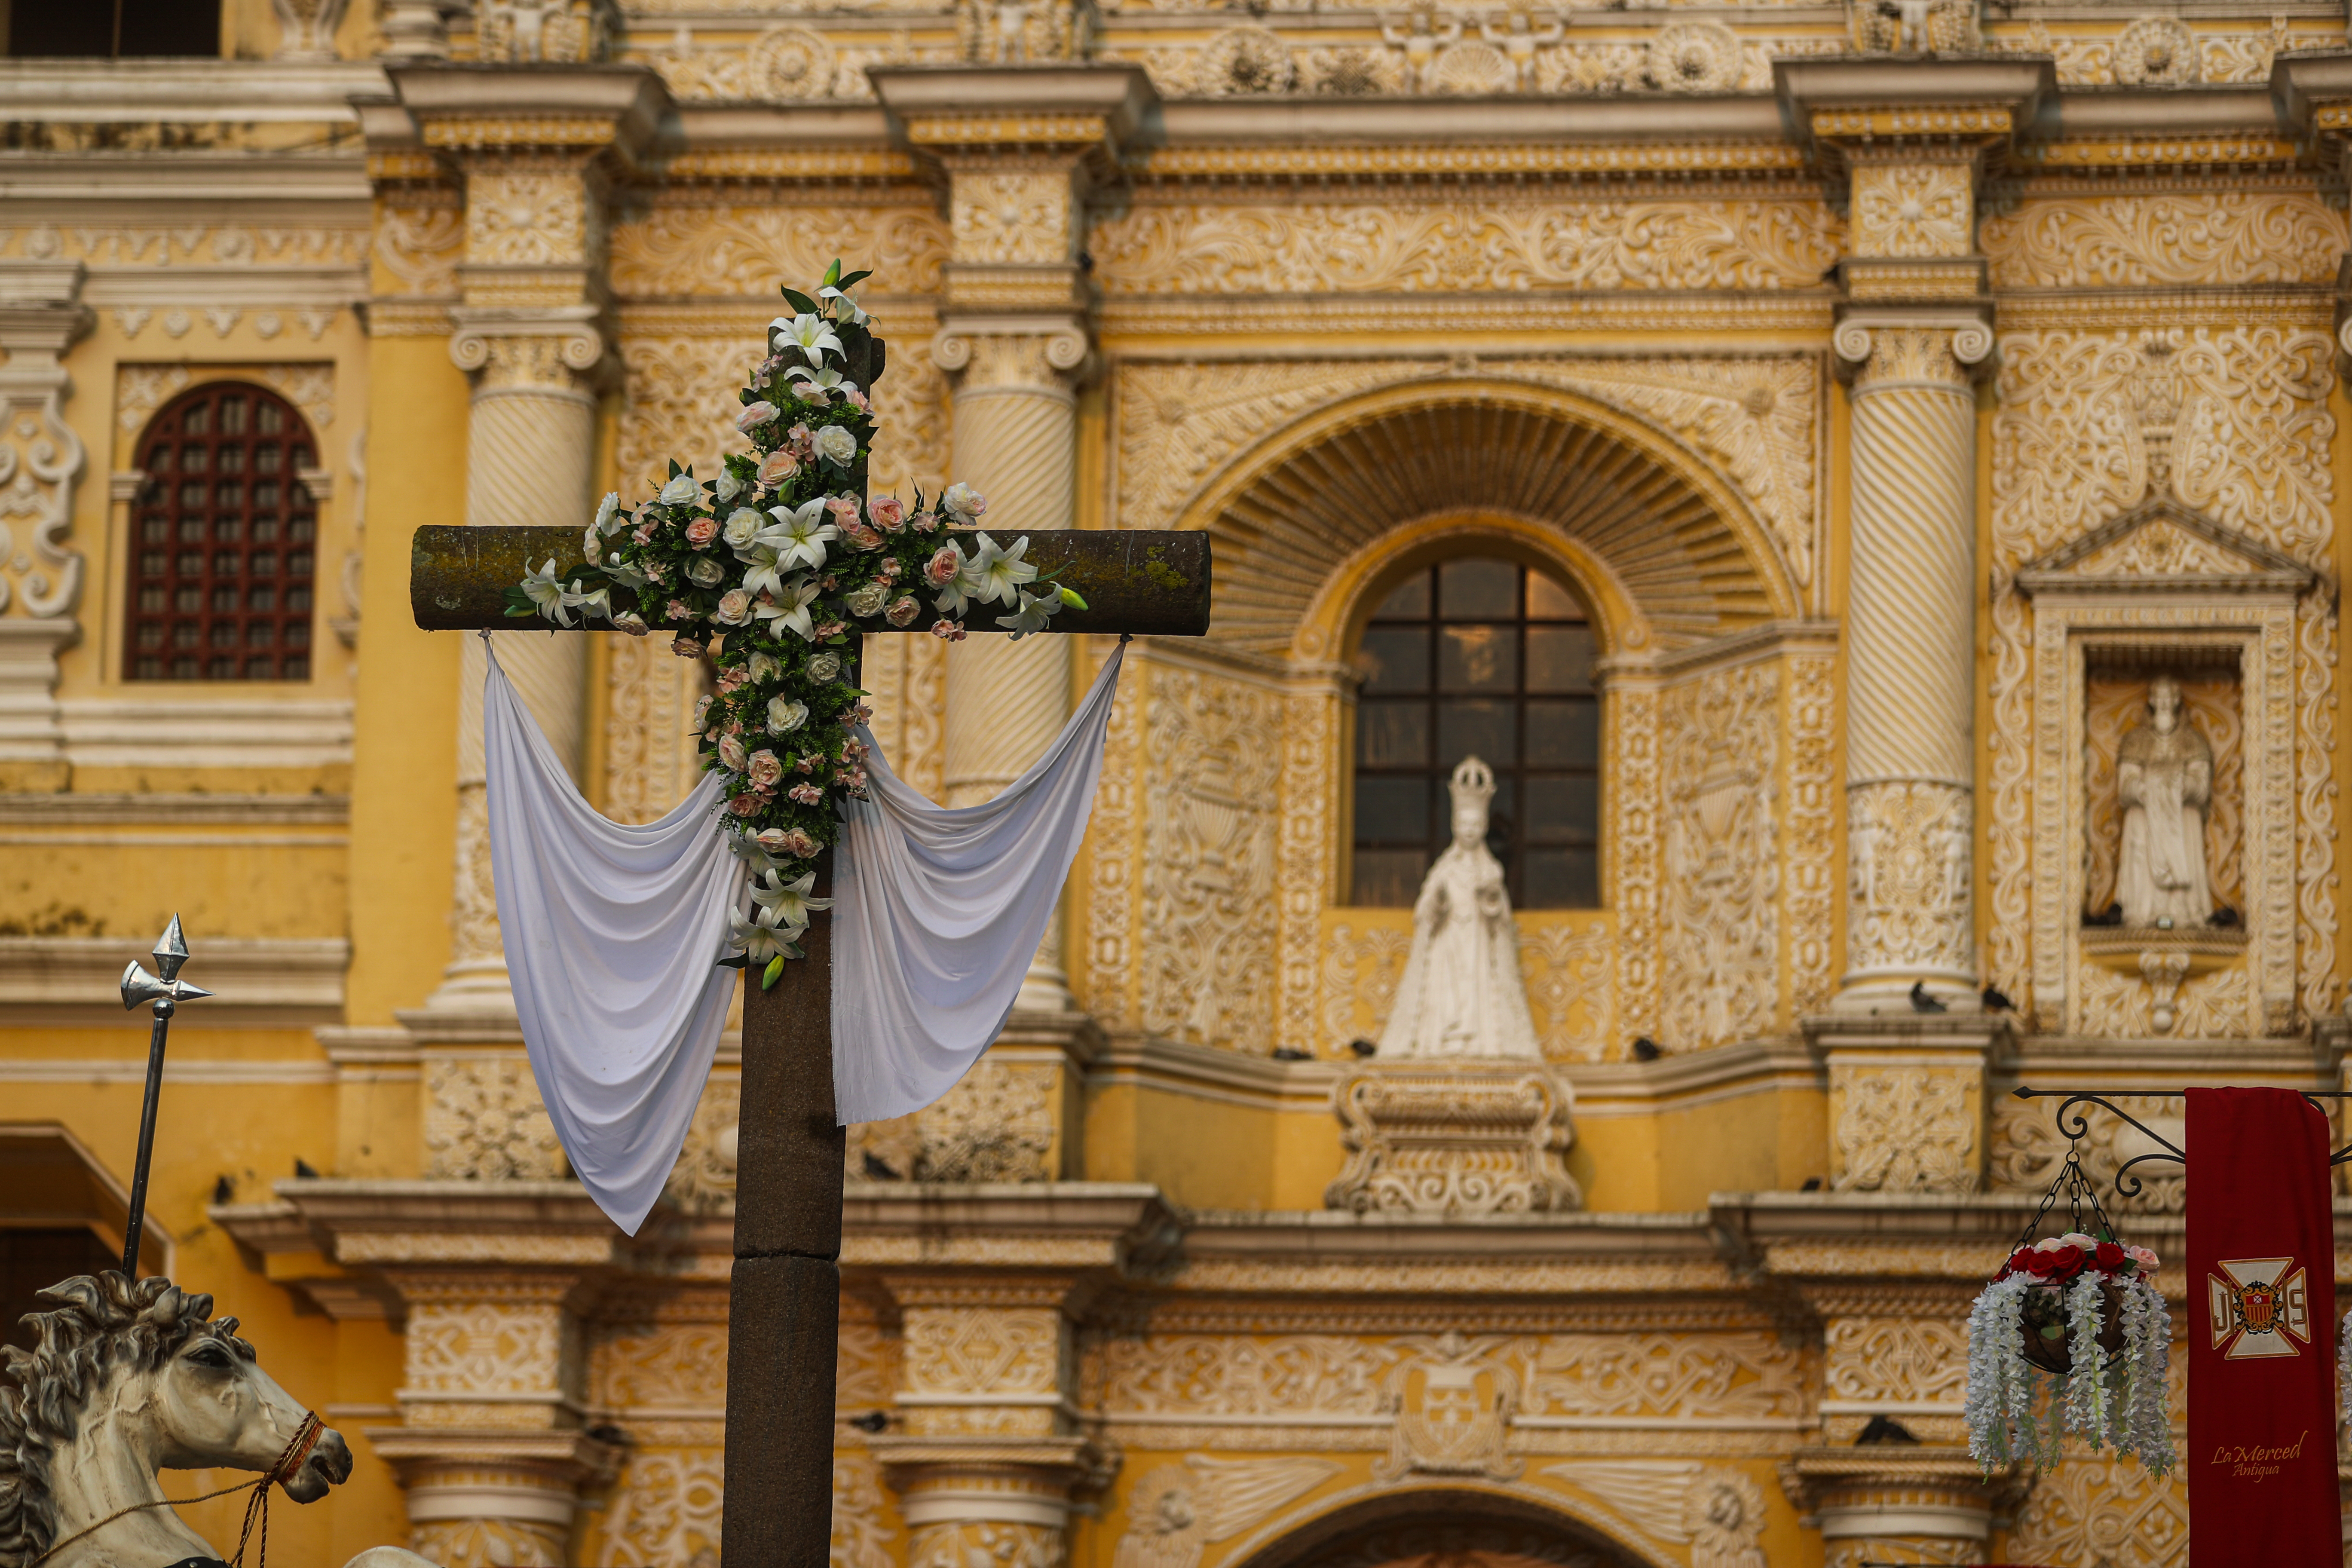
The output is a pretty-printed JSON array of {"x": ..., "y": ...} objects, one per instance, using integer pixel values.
[{"x": 2262, "y": 1332}]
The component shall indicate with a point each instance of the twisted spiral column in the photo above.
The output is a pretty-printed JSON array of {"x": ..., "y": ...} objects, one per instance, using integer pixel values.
[
  {"x": 1911, "y": 641},
  {"x": 530, "y": 439},
  {"x": 1016, "y": 443}
]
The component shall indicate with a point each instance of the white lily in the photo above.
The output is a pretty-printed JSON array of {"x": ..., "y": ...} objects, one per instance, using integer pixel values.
[
  {"x": 791, "y": 608},
  {"x": 810, "y": 334},
  {"x": 548, "y": 595},
  {"x": 590, "y": 602},
  {"x": 764, "y": 568},
  {"x": 791, "y": 899},
  {"x": 609, "y": 519},
  {"x": 760, "y": 937},
  {"x": 682, "y": 490},
  {"x": 826, "y": 380},
  {"x": 999, "y": 573},
  {"x": 622, "y": 575},
  {"x": 801, "y": 533},
  {"x": 856, "y": 316},
  {"x": 1034, "y": 612}
]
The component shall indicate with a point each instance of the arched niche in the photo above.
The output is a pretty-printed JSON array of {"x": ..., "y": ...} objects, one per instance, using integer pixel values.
[
  {"x": 1665, "y": 545},
  {"x": 1463, "y": 1526}
]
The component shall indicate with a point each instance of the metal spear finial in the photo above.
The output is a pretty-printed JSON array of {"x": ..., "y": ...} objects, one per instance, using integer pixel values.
[{"x": 165, "y": 994}]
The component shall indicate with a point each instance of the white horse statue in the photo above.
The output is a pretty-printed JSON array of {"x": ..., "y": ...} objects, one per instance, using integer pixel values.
[{"x": 130, "y": 1378}]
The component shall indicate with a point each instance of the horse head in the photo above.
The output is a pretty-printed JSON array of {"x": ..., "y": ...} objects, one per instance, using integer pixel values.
[{"x": 127, "y": 1377}]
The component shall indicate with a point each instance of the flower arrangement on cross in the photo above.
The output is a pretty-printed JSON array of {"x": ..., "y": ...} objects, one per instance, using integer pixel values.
[
  {"x": 769, "y": 568},
  {"x": 2070, "y": 1336}
]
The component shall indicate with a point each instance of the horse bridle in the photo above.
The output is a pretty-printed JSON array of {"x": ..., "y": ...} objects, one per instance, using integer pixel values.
[{"x": 288, "y": 1465}]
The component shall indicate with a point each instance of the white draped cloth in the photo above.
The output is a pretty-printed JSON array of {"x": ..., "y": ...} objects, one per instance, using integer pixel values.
[{"x": 613, "y": 934}]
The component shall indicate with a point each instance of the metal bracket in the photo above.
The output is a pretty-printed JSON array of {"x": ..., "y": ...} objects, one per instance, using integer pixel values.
[{"x": 2171, "y": 1153}]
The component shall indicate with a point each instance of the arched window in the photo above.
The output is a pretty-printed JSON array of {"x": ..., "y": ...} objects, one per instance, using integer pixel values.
[
  {"x": 224, "y": 538},
  {"x": 1492, "y": 658}
]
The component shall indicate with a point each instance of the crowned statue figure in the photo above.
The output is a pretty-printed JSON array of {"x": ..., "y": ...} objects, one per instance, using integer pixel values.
[
  {"x": 1462, "y": 995},
  {"x": 2164, "y": 781}
]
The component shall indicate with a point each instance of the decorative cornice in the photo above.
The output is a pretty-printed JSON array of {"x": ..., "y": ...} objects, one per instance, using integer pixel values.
[
  {"x": 996, "y": 109},
  {"x": 1454, "y": 162},
  {"x": 259, "y": 981}
]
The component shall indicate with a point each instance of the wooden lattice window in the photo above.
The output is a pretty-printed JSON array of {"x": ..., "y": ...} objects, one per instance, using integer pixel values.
[
  {"x": 224, "y": 541},
  {"x": 1492, "y": 658}
]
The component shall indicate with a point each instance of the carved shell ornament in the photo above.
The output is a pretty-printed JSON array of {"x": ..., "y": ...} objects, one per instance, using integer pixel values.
[
  {"x": 1240, "y": 62},
  {"x": 2156, "y": 51},
  {"x": 770, "y": 566},
  {"x": 1694, "y": 57}
]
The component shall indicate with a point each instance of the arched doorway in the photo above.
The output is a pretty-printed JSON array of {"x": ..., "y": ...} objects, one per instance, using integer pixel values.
[{"x": 1443, "y": 1529}]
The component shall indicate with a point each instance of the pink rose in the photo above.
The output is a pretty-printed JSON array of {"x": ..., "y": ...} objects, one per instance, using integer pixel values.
[
  {"x": 843, "y": 509},
  {"x": 806, "y": 794},
  {"x": 941, "y": 568},
  {"x": 2142, "y": 1259},
  {"x": 631, "y": 622},
  {"x": 902, "y": 611},
  {"x": 888, "y": 512},
  {"x": 777, "y": 466},
  {"x": 744, "y": 805},
  {"x": 701, "y": 532},
  {"x": 733, "y": 606},
  {"x": 854, "y": 395},
  {"x": 766, "y": 772},
  {"x": 732, "y": 754},
  {"x": 754, "y": 415},
  {"x": 686, "y": 648},
  {"x": 790, "y": 842},
  {"x": 860, "y": 535}
]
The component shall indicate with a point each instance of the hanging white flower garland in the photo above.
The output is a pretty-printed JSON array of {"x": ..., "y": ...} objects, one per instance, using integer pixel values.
[
  {"x": 2092, "y": 1296},
  {"x": 769, "y": 569}
]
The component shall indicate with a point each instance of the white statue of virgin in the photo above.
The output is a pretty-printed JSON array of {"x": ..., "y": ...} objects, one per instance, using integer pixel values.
[
  {"x": 2164, "y": 781},
  {"x": 1462, "y": 995}
]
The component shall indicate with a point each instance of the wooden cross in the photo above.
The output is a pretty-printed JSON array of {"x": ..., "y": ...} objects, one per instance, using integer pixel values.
[{"x": 784, "y": 1298}]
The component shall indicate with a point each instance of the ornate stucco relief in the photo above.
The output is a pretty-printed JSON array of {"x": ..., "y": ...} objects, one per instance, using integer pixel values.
[
  {"x": 1903, "y": 1128},
  {"x": 2202, "y": 237},
  {"x": 483, "y": 1120},
  {"x": 2087, "y": 1507},
  {"x": 689, "y": 249},
  {"x": 1757, "y": 420},
  {"x": 1113, "y": 859},
  {"x": 1210, "y": 800},
  {"x": 106, "y": 246},
  {"x": 2028, "y": 1150},
  {"x": 1197, "y": 247},
  {"x": 1175, "y": 1512},
  {"x": 417, "y": 248},
  {"x": 1719, "y": 939},
  {"x": 1307, "y": 858},
  {"x": 1811, "y": 858},
  {"x": 996, "y": 1125},
  {"x": 2251, "y": 450}
]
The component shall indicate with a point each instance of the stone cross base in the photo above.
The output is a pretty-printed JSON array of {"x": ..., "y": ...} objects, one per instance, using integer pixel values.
[{"x": 1471, "y": 1138}]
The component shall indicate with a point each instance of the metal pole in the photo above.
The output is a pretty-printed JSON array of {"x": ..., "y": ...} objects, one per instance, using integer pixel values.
[{"x": 164, "y": 1009}]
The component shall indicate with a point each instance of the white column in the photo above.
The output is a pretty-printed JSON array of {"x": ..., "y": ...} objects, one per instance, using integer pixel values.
[
  {"x": 1016, "y": 443},
  {"x": 1910, "y": 664},
  {"x": 41, "y": 313},
  {"x": 531, "y": 438}
]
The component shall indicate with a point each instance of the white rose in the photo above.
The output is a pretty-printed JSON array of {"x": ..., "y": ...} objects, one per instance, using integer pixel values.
[
  {"x": 680, "y": 491},
  {"x": 733, "y": 606},
  {"x": 784, "y": 717},
  {"x": 704, "y": 572},
  {"x": 869, "y": 600},
  {"x": 764, "y": 668},
  {"x": 742, "y": 527},
  {"x": 963, "y": 500},
  {"x": 731, "y": 754},
  {"x": 824, "y": 667},
  {"x": 728, "y": 486},
  {"x": 836, "y": 444}
]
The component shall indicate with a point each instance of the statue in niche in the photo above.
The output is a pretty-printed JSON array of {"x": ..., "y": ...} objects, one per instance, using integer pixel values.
[
  {"x": 2164, "y": 782},
  {"x": 1461, "y": 994}
]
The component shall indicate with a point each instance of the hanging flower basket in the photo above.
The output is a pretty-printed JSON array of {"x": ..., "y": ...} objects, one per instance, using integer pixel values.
[{"x": 2070, "y": 1336}]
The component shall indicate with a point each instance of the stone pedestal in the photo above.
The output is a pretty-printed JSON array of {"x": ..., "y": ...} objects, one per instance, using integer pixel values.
[
  {"x": 1907, "y": 1099},
  {"x": 1480, "y": 1138},
  {"x": 41, "y": 313},
  {"x": 987, "y": 1500},
  {"x": 1893, "y": 1506}
]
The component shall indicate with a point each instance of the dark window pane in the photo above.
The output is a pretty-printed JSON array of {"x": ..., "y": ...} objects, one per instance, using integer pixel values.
[
  {"x": 271, "y": 422},
  {"x": 296, "y": 670},
  {"x": 1478, "y": 590},
  {"x": 1392, "y": 735},
  {"x": 261, "y": 633},
  {"x": 232, "y": 459},
  {"x": 1390, "y": 878},
  {"x": 265, "y": 528},
  {"x": 1548, "y": 601},
  {"x": 1560, "y": 658},
  {"x": 297, "y": 635},
  {"x": 1409, "y": 601},
  {"x": 1392, "y": 811},
  {"x": 183, "y": 667},
  {"x": 224, "y": 633},
  {"x": 1394, "y": 659},
  {"x": 1562, "y": 879},
  {"x": 1563, "y": 733},
  {"x": 1563, "y": 810},
  {"x": 1488, "y": 731},
  {"x": 1477, "y": 658}
]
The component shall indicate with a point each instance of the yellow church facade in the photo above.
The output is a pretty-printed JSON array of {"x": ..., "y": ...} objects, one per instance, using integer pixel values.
[{"x": 1787, "y": 443}]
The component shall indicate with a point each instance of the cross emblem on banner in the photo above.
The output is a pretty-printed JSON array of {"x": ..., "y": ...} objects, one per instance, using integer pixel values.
[{"x": 784, "y": 1300}]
